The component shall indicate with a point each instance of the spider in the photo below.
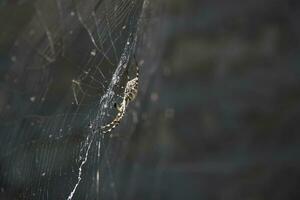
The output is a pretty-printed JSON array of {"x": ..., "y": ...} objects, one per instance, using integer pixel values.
[{"x": 130, "y": 93}]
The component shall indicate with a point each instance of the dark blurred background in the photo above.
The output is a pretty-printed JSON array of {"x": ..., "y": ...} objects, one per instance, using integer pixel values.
[{"x": 219, "y": 117}]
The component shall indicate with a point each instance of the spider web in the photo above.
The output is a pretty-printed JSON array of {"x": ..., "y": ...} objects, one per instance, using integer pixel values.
[{"x": 67, "y": 72}]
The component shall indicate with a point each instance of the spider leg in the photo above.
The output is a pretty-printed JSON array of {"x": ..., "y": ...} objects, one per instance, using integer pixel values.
[
  {"x": 118, "y": 107},
  {"x": 112, "y": 125},
  {"x": 129, "y": 95}
]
